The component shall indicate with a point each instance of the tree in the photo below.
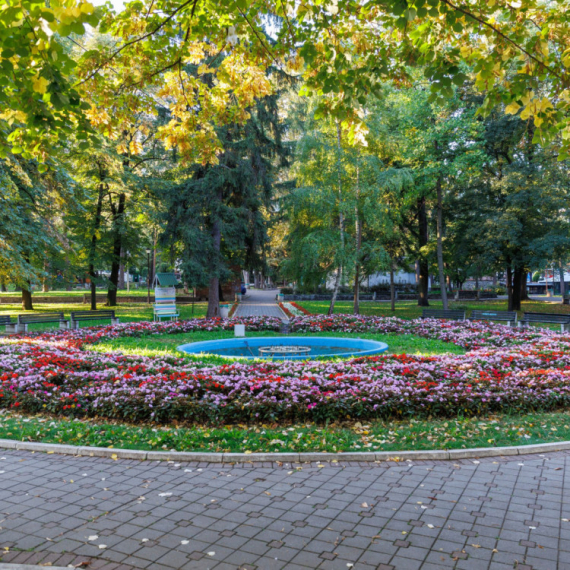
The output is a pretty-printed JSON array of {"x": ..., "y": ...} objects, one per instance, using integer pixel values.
[
  {"x": 31, "y": 232},
  {"x": 217, "y": 211}
]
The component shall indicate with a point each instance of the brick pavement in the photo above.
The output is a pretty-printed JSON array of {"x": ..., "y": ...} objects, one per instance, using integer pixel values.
[
  {"x": 495, "y": 513},
  {"x": 260, "y": 303}
]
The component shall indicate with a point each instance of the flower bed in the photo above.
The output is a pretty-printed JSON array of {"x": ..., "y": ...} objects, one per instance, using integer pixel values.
[{"x": 507, "y": 370}]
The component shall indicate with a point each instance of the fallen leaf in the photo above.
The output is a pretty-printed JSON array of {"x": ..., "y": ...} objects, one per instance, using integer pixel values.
[
  {"x": 364, "y": 505},
  {"x": 114, "y": 456},
  {"x": 102, "y": 546},
  {"x": 92, "y": 537}
]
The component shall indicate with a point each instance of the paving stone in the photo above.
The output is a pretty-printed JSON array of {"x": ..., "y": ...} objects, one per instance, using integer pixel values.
[{"x": 254, "y": 528}]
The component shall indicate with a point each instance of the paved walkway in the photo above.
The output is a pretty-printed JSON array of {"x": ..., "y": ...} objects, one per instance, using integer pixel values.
[
  {"x": 260, "y": 303},
  {"x": 496, "y": 513}
]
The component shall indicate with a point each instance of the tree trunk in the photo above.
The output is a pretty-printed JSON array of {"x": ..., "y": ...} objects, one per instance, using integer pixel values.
[
  {"x": 27, "y": 304},
  {"x": 3, "y": 287},
  {"x": 358, "y": 231},
  {"x": 214, "y": 289},
  {"x": 392, "y": 286},
  {"x": 213, "y": 298},
  {"x": 516, "y": 296},
  {"x": 562, "y": 284},
  {"x": 118, "y": 221},
  {"x": 524, "y": 290},
  {"x": 96, "y": 226},
  {"x": 478, "y": 292},
  {"x": 122, "y": 269},
  {"x": 423, "y": 287},
  {"x": 45, "y": 282},
  {"x": 335, "y": 291},
  {"x": 340, "y": 219},
  {"x": 440, "y": 244},
  {"x": 510, "y": 288}
]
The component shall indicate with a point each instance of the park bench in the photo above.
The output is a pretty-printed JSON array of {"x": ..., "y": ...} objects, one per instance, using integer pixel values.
[
  {"x": 494, "y": 316},
  {"x": 167, "y": 311},
  {"x": 442, "y": 314},
  {"x": 6, "y": 321},
  {"x": 546, "y": 318},
  {"x": 79, "y": 316},
  {"x": 41, "y": 318}
]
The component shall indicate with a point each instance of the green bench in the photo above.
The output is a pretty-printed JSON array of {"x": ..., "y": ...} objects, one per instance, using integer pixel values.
[
  {"x": 546, "y": 318},
  {"x": 55, "y": 319},
  {"x": 81, "y": 316},
  {"x": 453, "y": 315},
  {"x": 494, "y": 316}
]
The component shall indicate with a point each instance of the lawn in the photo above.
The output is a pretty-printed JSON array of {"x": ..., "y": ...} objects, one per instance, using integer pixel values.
[
  {"x": 125, "y": 311},
  {"x": 410, "y": 309},
  {"x": 166, "y": 344},
  {"x": 502, "y": 430}
]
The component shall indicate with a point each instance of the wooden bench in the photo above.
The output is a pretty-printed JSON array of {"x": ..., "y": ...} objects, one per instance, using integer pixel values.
[
  {"x": 546, "y": 318},
  {"x": 41, "y": 318},
  {"x": 441, "y": 314},
  {"x": 168, "y": 311},
  {"x": 79, "y": 316},
  {"x": 6, "y": 321},
  {"x": 494, "y": 316}
]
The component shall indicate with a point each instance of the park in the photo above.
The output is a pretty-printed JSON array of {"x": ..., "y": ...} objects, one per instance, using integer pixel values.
[{"x": 284, "y": 285}]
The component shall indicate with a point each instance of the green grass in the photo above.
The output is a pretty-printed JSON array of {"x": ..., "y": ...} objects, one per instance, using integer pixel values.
[
  {"x": 410, "y": 309},
  {"x": 374, "y": 436},
  {"x": 125, "y": 311},
  {"x": 166, "y": 345},
  {"x": 142, "y": 292}
]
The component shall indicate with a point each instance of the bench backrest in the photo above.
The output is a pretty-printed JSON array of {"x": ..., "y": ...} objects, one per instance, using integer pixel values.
[
  {"x": 494, "y": 315},
  {"x": 162, "y": 308},
  {"x": 165, "y": 300},
  {"x": 40, "y": 318},
  {"x": 442, "y": 314},
  {"x": 546, "y": 318},
  {"x": 92, "y": 315},
  {"x": 5, "y": 320}
]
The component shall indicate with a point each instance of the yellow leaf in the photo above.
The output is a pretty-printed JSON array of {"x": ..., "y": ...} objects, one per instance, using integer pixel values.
[
  {"x": 512, "y": 109},
  {"x": 135, "y": 147},
  {"x": 114, "y": 456},
  {"x": 87, "y": 8},
  {"x": 545, "y": 104},
  {"x": 40, "y": 84}
]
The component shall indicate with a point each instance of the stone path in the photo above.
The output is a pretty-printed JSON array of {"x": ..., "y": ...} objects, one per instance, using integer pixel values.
[
  {"x": 496, "y": 513},
  {"x": 260, "y": 303}
]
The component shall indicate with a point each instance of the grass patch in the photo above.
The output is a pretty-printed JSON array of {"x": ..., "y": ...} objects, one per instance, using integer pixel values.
[
  {"x": 412, "y": 434},
  {"x": 127, "y": 312},
  {"x": 166, "y": 344},
  {"x": 410, "y": 309}
]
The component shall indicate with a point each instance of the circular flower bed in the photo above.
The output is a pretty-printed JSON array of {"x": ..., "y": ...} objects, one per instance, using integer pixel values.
[{"x": 509, "y": 370}]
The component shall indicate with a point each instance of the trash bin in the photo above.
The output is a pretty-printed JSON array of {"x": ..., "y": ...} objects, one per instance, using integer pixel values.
[{"x": 224, "y": 311}]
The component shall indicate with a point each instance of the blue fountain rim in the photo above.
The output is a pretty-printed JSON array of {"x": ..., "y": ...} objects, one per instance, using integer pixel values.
[{"x": 366, "y": 347}]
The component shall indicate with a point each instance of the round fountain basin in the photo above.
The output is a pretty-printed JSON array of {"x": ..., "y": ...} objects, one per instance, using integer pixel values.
[{"x": 286, "y": 348}]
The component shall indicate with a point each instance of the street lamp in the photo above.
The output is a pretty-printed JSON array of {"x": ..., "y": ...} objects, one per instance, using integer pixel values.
[{"x": 148, "y": 275}]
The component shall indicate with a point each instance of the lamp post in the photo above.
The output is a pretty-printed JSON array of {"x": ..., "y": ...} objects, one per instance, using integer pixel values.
[{"x": 148, "y": 275}]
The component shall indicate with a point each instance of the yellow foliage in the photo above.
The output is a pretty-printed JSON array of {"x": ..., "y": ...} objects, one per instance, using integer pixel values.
[{"x": 40, "y": 84}]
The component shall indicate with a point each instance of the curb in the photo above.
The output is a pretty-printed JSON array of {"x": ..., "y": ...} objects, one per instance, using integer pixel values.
[
  {"x": 6, "y": 566},
  {"x": 302, "y": 457}
]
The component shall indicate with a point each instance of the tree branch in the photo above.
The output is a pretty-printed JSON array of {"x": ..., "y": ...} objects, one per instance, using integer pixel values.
[
  {"x": 505, "y": 37},
  {"x": 140, "y": 39}
]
